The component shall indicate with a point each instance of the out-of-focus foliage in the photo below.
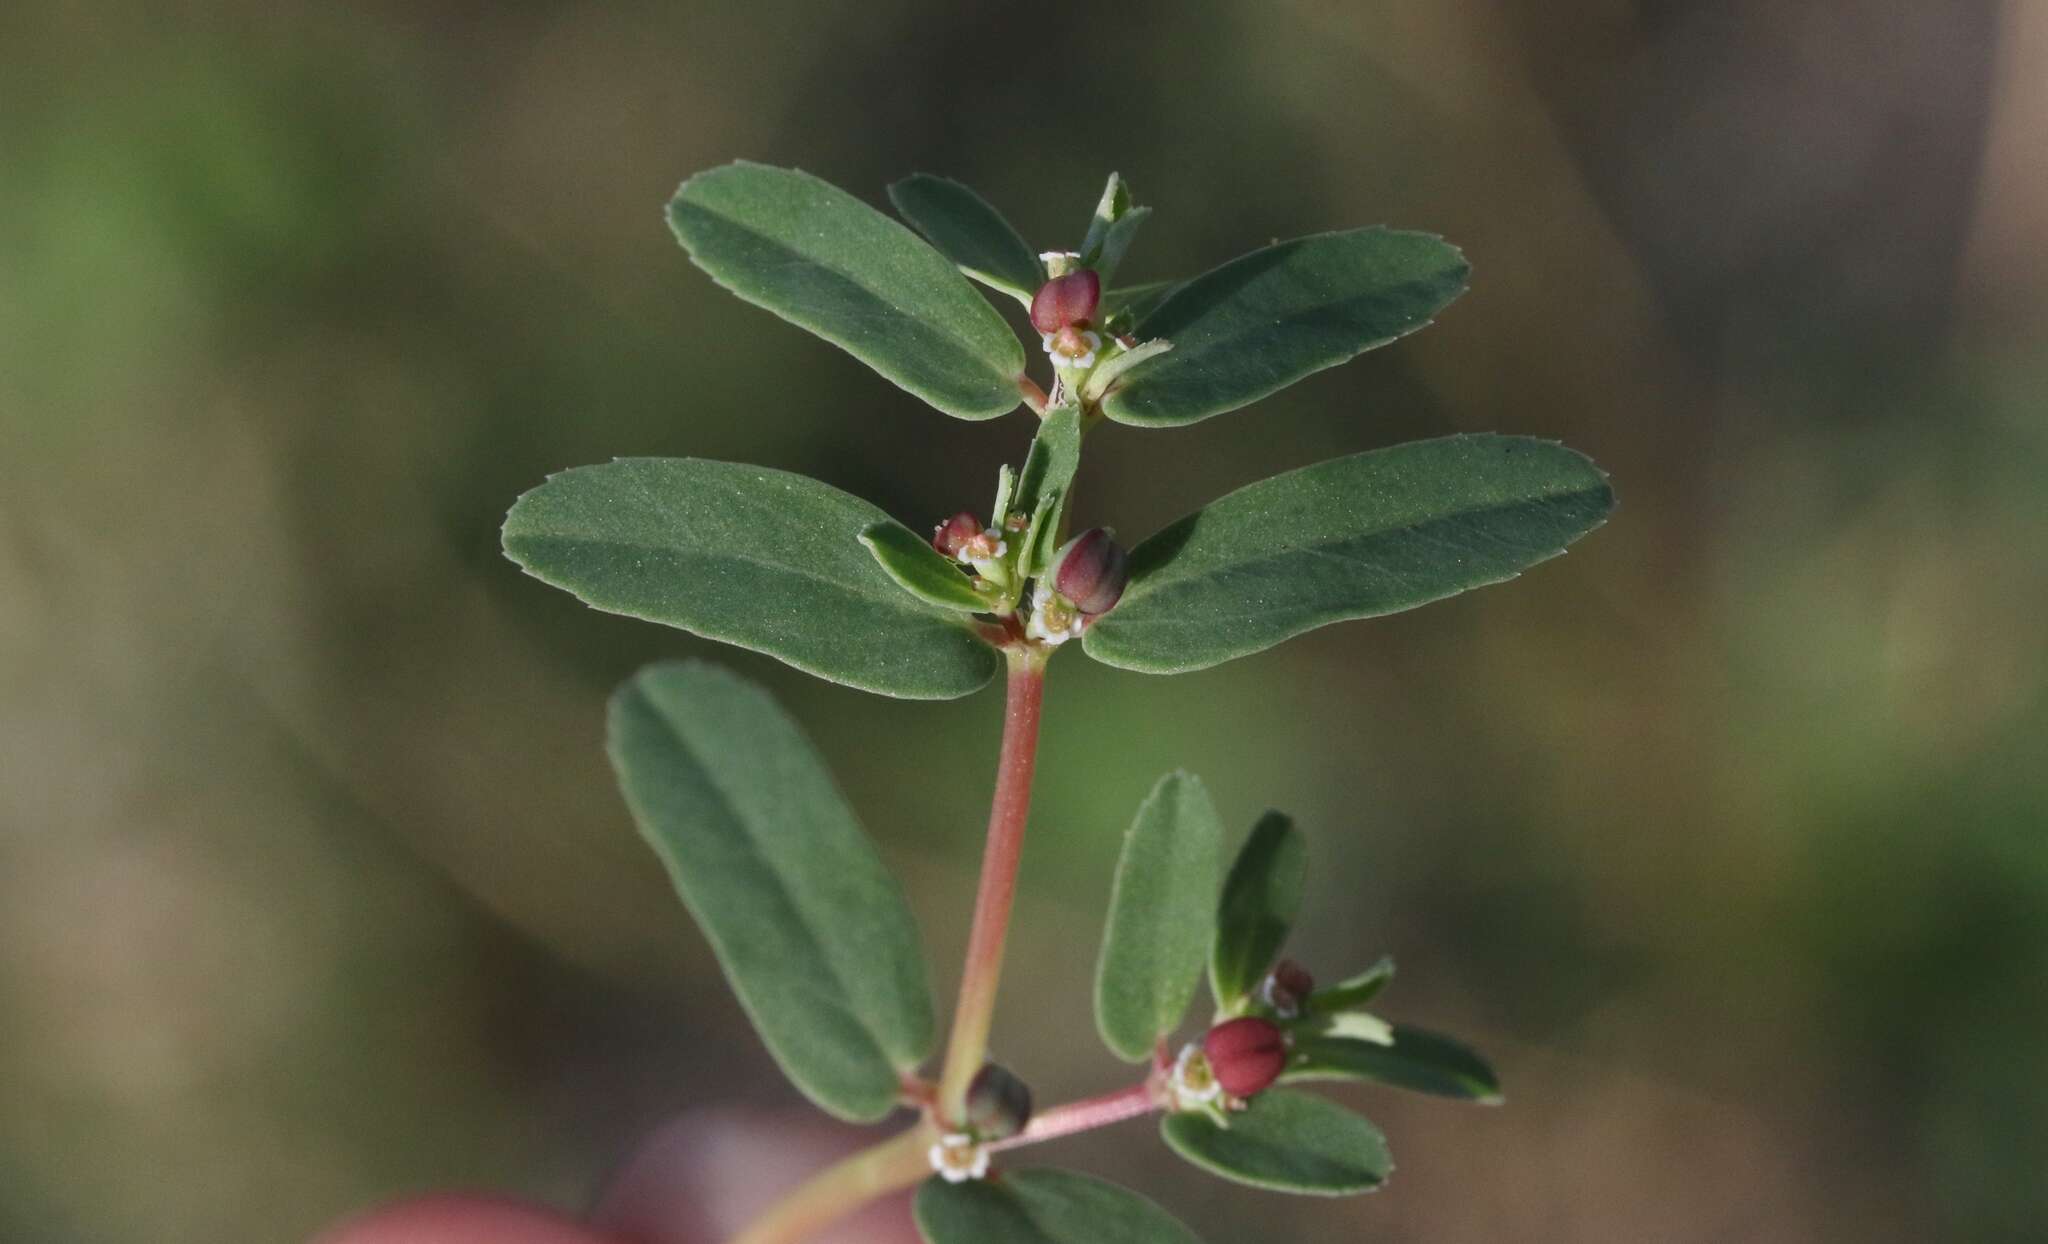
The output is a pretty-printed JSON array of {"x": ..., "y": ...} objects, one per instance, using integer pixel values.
[{"x": 313, "y": 887}]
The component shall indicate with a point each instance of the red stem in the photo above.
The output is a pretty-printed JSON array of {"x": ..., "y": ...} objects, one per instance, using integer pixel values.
[
  {"x": 1000, "y": 858},
  {"x": 1086, "y": 1115}
]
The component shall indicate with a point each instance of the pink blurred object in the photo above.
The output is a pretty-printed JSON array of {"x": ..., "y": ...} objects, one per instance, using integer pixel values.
[{"x": 696, "y": 1180}]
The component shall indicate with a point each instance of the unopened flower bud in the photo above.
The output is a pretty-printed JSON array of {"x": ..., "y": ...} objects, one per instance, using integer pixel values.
[
  {"x": 1091, "y": 571},
  {"x": 952, "y": 535},
  {"x": 998, "y": 1103},
  {"x": 1286, "y": 988},
  {"x": 1066, "y": 301},
  {"x": 1246, "y": 1055}
]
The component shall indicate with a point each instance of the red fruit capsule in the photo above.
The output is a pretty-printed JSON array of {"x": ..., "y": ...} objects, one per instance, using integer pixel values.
[
  {"x": 952, "y": 535},
  {"x": 1091, "y": 571},
  {"x": 1066, "y": 300},
  {"x": 1246, "y": 1055}
]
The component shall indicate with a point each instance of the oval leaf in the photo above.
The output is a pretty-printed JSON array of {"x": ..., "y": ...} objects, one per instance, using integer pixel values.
[
  {"x": 1286, "y": 1142},
  {"x": 1042, "y": 1207},
  {"x": 1260, "y": 900},
  {"x": 1355, "y": 537},
  {"x": 822, "y": 259},
  {"x": 1161, "y": 917},
  {"x": 1123, "y": 308},
  {"x": 760, "y": 558},
  {"x": 968, "y": 230},
  {"x": 1050, "y": 463},
  {"x": 920, "y": 569},
  {"x": 1265, "y": 320},
  {"x": 1112, "y": 229},
  {"x": 1417, "y": 1060},
  {"x": 1353, "y": 991},
  {"x": 809, "y": 926}
]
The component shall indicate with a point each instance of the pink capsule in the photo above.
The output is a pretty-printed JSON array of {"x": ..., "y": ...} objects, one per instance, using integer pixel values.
[
  {"x": 1066, "y": 300},
  {"x": 952, "y": 535},
  {"x": 1246, "y": 1055},
  {"x": 1091, "y": 571}
]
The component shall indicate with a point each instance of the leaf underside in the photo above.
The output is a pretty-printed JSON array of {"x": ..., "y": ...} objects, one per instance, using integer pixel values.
[
  {"x": 764, "y": 559},
  {"x": 1041, "y": 1207},
  {"x": 1355, "y": 537},
  {"x": 826, "y": 261},
  {"x": 810, "y": 928}
]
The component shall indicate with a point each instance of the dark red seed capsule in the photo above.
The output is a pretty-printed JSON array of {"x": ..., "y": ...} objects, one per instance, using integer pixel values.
[
  {"x": 1287, "y": 987},
  {"x": 1246, "y": 1055},
  {"x": 952, "y": 535},
  {"x": 1091, "y": 571},
  {"x": 1066, "y": 300}
]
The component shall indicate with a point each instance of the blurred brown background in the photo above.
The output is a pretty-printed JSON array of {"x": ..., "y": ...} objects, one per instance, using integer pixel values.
[{"x": 1724, "y": 834}]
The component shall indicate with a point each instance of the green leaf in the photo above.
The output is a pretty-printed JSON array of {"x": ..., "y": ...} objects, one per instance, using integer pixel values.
[
  {"x": 1044, "y": 482},
  {"x": 809, "y": 926},
  {"x": 1041, "y": 1207},
  {"x": 1261, "y": 898},
  {"x": 1123, "y": 308},
  {"x": 1049, "y": 465},
  {"x": 920, "y": 569},
  {"x": 1286, "y": 1142},
  {"x": 1111, "y": 229},
  {"x": 1110, "y": 208},
  {"x": 1355, "y": 537},
  {"x": 760, "y": 558},
  {"x": 822, "y": 259},
  {"x": 1161, "y": 917},
  {"x": 1354, "y": 991},
  {"x": 1421, "y": 1061},
  {"x": 1038, "y": 537},
  {"x": 969, "y": 231},
  {"x": 1265, "y": 320}
]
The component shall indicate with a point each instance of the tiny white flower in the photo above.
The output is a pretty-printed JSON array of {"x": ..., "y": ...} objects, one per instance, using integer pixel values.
[
  {"x": 958, "y": 1159},
  {"x": 1051, "y": 258},
  {"x": 1053, "y": 619},
  {"x": 1082, "y": 362},
  {"x": 982, "y": 548},
  {"x": 1193, "y": 1084}
]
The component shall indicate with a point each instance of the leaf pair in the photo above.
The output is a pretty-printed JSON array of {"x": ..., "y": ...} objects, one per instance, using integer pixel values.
[
  {"x": 774, "y": 562},
  {"x": 826, "y": 261}
]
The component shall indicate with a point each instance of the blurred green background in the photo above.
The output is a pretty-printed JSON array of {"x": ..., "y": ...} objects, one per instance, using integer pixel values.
[{"x": 1724, "y": 834}]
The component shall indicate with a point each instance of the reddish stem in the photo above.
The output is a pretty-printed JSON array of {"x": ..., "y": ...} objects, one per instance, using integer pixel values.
[
  {"x": 1034, "y": 397},
  {"x": 1139, "y": 1099},
  {"x": 1000, "y": 858}
]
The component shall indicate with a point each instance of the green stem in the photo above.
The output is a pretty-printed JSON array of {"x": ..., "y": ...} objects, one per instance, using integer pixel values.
[
  {"x": 1008, "y": 811},
  {"x": 843, "y": 1187}
]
